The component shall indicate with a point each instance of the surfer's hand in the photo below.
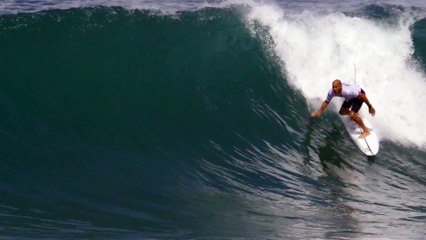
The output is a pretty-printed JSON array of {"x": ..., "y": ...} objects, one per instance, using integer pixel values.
[
  {"x": 372, "y": 110},
  {"x": 316, "y": 114}
]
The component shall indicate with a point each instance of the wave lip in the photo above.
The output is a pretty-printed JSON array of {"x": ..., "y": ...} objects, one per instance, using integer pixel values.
[{"x": 168, "y": 6}]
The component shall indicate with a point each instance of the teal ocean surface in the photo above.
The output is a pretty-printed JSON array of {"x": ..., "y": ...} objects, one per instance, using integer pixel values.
[{"x": 191, "y": 120}]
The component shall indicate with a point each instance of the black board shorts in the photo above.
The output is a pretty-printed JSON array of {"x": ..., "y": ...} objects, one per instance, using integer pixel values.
[{"x": 356, "y": 103}]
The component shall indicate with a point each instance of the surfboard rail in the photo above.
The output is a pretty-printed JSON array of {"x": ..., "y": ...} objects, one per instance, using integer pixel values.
[{"x": 369, "y": 145}]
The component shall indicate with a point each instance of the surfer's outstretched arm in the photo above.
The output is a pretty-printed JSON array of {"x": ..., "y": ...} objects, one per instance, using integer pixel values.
[
  {"x": 324, "y": 105},
  {"x": 364, "y": 98}
]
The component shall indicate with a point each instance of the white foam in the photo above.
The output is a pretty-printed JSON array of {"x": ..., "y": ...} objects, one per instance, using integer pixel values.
[{"x": 318, "y": 48}]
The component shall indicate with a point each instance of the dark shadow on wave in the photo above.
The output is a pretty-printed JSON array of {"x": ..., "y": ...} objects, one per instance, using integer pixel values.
[{"x": 386, "y": 14}]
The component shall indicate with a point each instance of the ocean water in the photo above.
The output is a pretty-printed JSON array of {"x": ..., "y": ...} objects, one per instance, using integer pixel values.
[{"x": 190, "y": 120}]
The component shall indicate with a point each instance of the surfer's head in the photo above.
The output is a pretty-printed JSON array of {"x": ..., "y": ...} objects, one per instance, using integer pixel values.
[{"x": 337, "y": 86}]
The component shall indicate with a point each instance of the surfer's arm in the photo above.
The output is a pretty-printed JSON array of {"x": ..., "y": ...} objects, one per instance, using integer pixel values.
[
  {"x": 364, "y": 98},
  {"x": 324, "y": 105}
]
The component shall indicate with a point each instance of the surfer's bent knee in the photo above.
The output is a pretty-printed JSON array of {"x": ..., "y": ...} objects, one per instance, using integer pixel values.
[{"x": 344, "y": 111}]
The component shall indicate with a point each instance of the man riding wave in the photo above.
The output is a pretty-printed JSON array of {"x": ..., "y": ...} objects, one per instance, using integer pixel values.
[{"x": 354, "y": 97}]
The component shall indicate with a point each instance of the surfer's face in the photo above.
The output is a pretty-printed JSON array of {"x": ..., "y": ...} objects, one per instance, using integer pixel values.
[{"x": 337, "y": 87}]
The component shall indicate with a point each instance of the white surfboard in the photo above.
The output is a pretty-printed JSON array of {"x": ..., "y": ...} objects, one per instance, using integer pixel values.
[{"x": 369, "y": 145}]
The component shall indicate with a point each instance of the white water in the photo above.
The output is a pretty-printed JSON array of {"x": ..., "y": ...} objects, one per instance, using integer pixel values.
[{"x": 318, "y": 48}]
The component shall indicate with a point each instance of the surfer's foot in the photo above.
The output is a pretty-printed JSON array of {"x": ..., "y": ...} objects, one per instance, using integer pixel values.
[{"x": 364, "y": 135}]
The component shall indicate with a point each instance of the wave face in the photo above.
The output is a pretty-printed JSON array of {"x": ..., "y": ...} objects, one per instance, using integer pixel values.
[{"x": 126, "y": 122}]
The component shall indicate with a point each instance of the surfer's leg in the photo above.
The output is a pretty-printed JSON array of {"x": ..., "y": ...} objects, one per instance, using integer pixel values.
[
  {"x": 356, "y": 106},
  {"x": 359, "y": 121},
  {"x": 344, "y": 110}
]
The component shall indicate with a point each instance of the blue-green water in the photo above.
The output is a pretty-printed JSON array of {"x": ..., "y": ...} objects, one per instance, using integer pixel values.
[{"x": 120, "y": 123}]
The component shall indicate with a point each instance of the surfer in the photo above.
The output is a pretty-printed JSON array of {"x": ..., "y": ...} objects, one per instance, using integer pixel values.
[{"x": 354, "y": 97}]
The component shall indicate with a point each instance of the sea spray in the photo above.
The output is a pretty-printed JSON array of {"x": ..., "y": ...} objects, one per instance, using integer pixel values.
[{"x": 316, "y": 48}]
